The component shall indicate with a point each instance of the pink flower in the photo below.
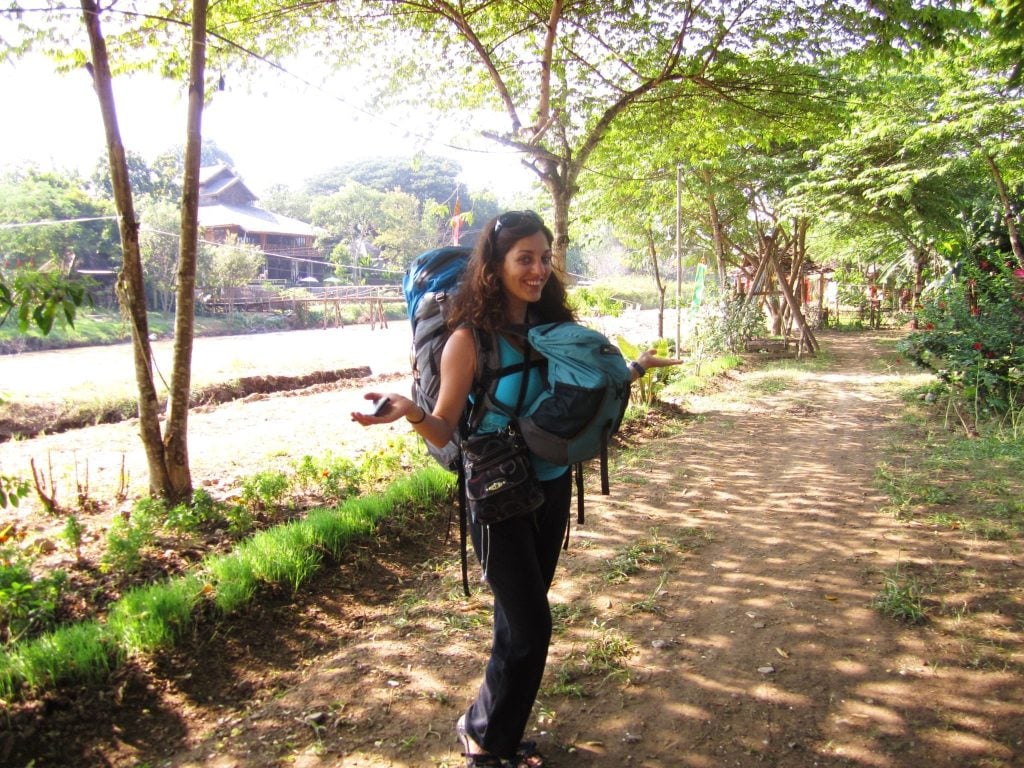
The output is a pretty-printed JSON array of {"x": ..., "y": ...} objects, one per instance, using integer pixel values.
[{"x": 1019, "y": 273}]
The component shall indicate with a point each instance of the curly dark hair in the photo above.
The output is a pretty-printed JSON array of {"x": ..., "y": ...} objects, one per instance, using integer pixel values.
[{"x": 481, "y": 301}]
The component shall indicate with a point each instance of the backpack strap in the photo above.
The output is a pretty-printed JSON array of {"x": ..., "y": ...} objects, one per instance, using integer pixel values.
[
  {"x": 463, "y": 527},
  {"x": 488, "y": 373}
]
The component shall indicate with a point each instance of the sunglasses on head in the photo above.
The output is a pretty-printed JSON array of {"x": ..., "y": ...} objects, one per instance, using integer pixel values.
[{"x": 514, "y": 219}]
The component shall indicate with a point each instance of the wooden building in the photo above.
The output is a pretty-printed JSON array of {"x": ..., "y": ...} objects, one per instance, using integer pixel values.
[{"x": 227, "y": 205}]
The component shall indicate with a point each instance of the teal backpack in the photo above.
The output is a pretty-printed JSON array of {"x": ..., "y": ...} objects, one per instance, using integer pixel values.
[{"x": 587, "y": 384}]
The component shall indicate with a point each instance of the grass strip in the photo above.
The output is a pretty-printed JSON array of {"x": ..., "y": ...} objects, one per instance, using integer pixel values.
[{"x": 156, "y": 616}]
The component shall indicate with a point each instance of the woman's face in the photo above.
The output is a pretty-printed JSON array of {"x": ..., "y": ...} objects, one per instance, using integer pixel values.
[{"x": 525, "y": 270}]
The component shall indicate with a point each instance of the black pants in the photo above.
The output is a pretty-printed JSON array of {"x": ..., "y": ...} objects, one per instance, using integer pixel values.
[{"x": 521, "y": 555}]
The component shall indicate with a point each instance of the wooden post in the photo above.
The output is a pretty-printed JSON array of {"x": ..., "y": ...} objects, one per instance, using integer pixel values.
[{"x": 812, "y": 343}]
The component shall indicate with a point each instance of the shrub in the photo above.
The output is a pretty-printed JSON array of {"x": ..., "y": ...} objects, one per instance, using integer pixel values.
[
  {"x": 265, "y": 490},
  {"x": 971, "y": 333},
  {"x": 27, "y": 604},
  {"x": 128, "y": 536}
]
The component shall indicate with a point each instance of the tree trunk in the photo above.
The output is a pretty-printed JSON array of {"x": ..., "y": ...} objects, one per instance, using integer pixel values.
[
  {"x": 555, "y": 178},
  {"x": 653, "y": 253},
  {"x": 130, "y": 285},
  {"x": 716, "y": 232},
  {"x": 176, "y": 437},
  {"x": 1008, "y": 216}
]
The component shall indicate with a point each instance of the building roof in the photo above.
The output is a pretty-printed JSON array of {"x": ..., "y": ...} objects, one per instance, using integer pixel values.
[
  {"x": 215, "y": 179},
  {"x": 252, "y": 219}
]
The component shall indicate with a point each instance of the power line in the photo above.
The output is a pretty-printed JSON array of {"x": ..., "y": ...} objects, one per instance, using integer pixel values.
[{"x": 56, "y": 222}]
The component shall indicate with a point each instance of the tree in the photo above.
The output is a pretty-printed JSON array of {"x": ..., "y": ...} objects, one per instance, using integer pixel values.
[
  {"x": 167, "y": 454},
  {"x": 158, "y": 248},
  {"x": 180, "y": 35},
  {"x": 564, "y": 73},
  {"x": 424, "y": 177},
  {"x": 909, "y": 186},
  {"x": 367, "y": 228},
  {"x": 169, "y": 166},
  {"x": 231, "y": 264},
  {"x": 49, "y": 217},
  {"x": 145, "y": 181}
]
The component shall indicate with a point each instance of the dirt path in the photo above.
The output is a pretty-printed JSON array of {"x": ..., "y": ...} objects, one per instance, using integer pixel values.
[{"x": 713, "y": 611}]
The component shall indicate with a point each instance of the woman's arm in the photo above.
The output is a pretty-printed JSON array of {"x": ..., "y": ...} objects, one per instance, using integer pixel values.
[
  {"x": 649, "y": 359},
  {"x": 458, "y": 369}
]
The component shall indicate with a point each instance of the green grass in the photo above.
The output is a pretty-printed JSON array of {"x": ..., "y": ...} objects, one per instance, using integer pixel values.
[
  {"x": 105, "y": 326},
  {"x": 954, "y": 481},
  {"x": 157, "y": 615},
  {"x": 900, "y": 599}
]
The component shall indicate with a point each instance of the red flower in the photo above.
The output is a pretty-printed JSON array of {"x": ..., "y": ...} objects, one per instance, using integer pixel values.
[
  {"x": 975, "y": 311},
  {"x": 930, "y": 326},
  {"x": 984, "y": 264},
  {"x": 977, "y": 345}
]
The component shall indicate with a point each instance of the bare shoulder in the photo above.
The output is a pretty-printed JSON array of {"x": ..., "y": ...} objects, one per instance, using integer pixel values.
[{"x": 460, "y": 348}]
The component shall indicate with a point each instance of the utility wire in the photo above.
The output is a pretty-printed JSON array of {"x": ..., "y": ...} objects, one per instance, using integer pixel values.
[{"x": 55, "y": 222}]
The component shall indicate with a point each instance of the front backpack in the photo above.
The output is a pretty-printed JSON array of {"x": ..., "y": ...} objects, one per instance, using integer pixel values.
[{"x": 585, "y": 397}]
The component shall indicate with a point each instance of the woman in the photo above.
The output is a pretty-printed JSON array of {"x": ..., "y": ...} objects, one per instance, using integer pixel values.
[{"x": 508, "y": 281}]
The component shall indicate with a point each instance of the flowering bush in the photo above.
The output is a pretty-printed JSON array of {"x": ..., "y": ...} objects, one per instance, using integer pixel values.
[{"x": 971, "y": 333}]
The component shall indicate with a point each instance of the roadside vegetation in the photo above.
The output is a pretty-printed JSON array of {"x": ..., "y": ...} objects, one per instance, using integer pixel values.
[{"x": 955, "y": 467}]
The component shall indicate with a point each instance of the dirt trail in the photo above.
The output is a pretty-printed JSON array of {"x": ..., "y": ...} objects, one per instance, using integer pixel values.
[{"x": 713, "y": 611}]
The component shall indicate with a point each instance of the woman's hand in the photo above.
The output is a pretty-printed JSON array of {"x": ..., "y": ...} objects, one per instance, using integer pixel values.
[
  {"x": 649, "y": 359},
  {"x": 397, "y": 407}
]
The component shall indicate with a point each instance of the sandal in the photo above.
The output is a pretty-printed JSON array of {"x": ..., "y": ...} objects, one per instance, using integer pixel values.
[
  {"x": 526, "y": 757},
  {"x": 475, "y": 759}
]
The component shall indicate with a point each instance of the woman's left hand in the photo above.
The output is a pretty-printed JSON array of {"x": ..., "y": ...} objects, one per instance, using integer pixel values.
[{"x": 650, "y": 359}]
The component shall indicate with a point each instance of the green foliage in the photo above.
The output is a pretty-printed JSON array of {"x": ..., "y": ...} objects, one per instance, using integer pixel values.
[
  {"x": 724, "y": 323},
  {"x": 333, "y": 477},
  {"x": 28, "y": 603},
  {"x": 157, "y": 615},
  {"x": 12, "y": 490},
  {"x": 41, "y": 298},
  {"x": 41, "y": 202},
  {"x": 76, "y": 653},
  {"x": 647, "y": 389},
  {"x": 229, "y": 264},
  {"x": 595, "y": 301},
  {"x": 202, "y": 509},
  {"x": 154, "y": 616},
  {"x": 72, "y": 533},
  {"x": 970, "y": 333},
  {"x": 900, "y": 599},
  {"x": 265, "y": 490},
  {"x": 129, "y": 535}
]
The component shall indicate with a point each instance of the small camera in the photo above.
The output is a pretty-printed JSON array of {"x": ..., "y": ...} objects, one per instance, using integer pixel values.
[{"x": 379, "y": 406}]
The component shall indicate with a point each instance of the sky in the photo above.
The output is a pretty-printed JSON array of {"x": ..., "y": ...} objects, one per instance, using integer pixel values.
[{"x": 278, "y": 130}]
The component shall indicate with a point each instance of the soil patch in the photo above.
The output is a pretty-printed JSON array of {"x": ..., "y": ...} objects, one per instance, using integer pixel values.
[
  {"x": 714, "y": 610},
  {"x": 29, "y": 420}
]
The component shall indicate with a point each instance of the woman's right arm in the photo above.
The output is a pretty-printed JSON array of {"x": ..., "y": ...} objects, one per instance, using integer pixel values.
[{"x": 458, "y": 369}]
